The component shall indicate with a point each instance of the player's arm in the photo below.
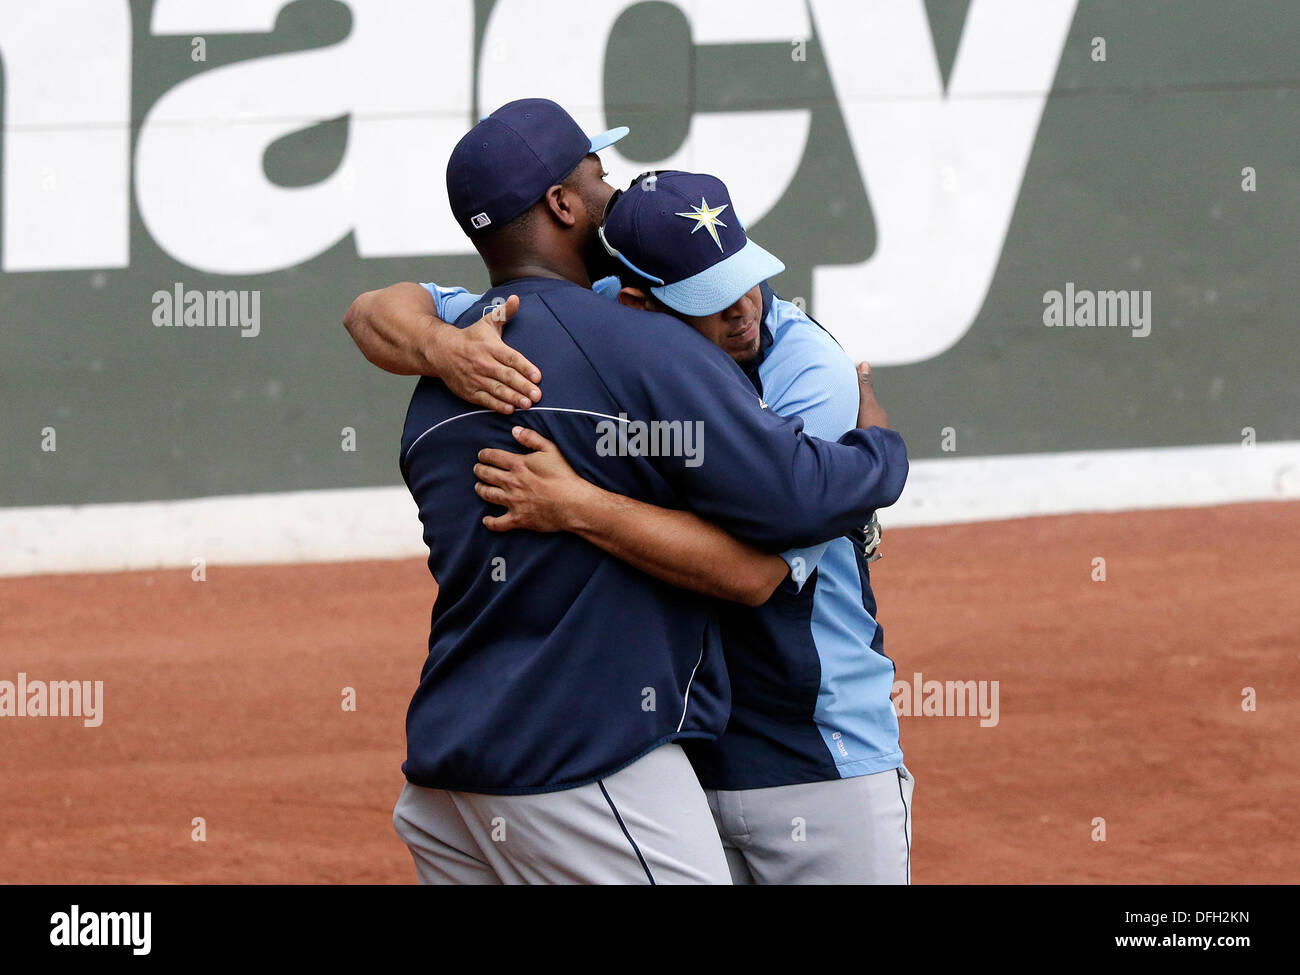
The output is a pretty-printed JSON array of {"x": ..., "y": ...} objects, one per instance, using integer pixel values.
[
  {"x": 398, "y": 328},
  {"x": 759, "y": 475},
  {"x": 542, "y": 492}
]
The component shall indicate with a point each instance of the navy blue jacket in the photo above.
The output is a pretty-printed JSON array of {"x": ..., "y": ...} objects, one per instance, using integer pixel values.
[{"x": 552, "y": 664}]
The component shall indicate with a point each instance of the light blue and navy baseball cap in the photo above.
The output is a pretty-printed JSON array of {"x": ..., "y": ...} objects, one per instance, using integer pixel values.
[
  {"x": 510, "y": 159},
  {"x": 680, "y": 232}
]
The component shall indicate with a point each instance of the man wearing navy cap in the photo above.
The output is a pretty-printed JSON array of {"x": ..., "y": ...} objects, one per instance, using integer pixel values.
[{"x": 542, "y": 739}]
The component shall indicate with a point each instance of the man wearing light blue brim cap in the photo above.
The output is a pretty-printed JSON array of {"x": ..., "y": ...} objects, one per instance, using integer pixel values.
[
  {"x": 822, "y": 749},
  {"x": 685, "y": 239}
]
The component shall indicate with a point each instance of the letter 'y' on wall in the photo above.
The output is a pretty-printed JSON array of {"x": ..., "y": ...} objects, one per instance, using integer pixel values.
[
  {"x": 756, "y": 152},
  {"x": 402, "y": 77},
  {"x": 67, "y": 127},
  {"x": 942, "y": 173}
]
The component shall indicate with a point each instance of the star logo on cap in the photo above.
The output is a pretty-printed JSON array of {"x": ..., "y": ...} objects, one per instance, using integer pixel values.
[{"x": 706, "y": 217}]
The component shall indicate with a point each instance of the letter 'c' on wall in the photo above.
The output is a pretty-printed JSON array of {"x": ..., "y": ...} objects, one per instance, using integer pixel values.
[{"x": 757, "y": 152}]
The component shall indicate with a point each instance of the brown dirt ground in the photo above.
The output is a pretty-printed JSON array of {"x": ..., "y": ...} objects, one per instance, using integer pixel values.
[{"x": 1120, "y": 699}]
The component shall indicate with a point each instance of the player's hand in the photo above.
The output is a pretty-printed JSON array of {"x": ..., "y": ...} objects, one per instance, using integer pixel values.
[
  {"x": 478, "y": 366},
  {"x": 870, "y": 412},
  {"x": 539, "y": 490}
]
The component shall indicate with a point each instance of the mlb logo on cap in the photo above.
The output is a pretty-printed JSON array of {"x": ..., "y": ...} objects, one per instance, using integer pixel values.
[
  {"x": 680, "y": 232},
  {"x": 510, "y": 159}
]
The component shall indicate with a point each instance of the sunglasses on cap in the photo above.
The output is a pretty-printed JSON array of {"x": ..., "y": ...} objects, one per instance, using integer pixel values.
[{"x": 647, "y": 182}]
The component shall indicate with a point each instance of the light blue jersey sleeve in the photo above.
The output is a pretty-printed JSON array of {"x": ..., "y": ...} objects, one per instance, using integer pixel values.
[
  {"x": 807, "y": 374},
  {"x": 451, "y": 302},
  {"x": 608, "y": 287},
  {"x": 454, "y": 302}
]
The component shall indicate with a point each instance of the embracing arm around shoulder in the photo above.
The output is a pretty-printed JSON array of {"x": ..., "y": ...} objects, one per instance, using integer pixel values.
[
  {"x": 398, "y": 329},
  {"x": 542, "y": 492}
]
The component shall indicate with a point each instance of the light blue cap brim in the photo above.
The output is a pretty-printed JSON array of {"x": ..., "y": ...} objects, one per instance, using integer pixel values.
[
  {"x": 722, "y": 285},
  {"x": 608, "y": 137}
]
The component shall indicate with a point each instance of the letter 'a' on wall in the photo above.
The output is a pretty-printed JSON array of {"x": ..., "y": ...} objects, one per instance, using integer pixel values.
[
  {"x": 200, "y": 184},
  {"x": 532, "y": 31},
  {"x": 66, "y": 140},
  {"x": 942, "y": 173}
]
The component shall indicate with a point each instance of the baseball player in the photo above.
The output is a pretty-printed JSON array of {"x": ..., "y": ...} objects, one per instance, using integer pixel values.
[
  {"x": 808, "y": 783},
  {"x": 542, "y": 740}
]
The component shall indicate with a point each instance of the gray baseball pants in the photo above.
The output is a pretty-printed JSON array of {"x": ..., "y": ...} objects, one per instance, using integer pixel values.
[
  {"x": 844, "y": 831},
  {"x": 646, "y": 824}
]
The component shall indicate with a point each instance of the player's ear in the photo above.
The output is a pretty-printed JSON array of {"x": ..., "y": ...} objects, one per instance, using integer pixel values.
[
  {"x": 634, "y": 298},
  {"x": 564, "y": 204}
]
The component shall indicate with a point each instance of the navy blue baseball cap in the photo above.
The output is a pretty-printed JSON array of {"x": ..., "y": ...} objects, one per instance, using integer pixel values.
[
  {"x": 680, "y": 232},
  {"x": 510, "y": 159}
]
